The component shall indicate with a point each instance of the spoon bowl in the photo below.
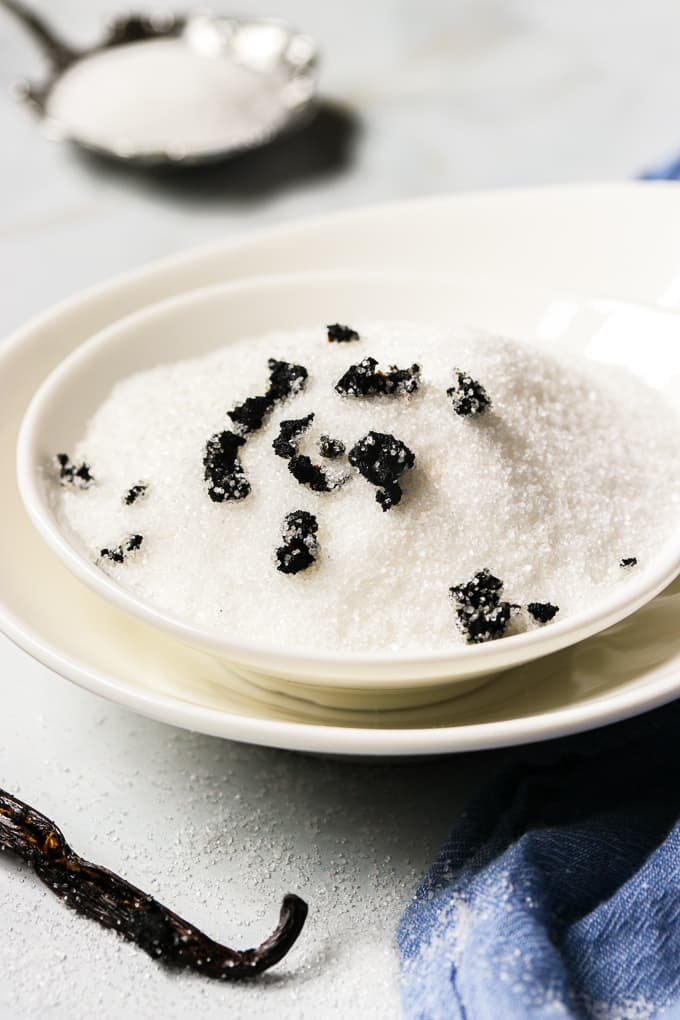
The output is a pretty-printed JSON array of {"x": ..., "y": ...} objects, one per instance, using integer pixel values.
[{"x": 167, "y": 89}]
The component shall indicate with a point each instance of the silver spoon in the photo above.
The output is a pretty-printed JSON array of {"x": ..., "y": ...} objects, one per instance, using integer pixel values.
[{"x": 162, "y": 88}]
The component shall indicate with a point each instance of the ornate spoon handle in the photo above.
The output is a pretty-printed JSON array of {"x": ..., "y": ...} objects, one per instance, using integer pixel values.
[{"x": 57, "y": 52}]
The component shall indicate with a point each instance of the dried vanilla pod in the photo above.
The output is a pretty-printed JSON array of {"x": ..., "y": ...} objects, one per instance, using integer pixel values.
[{"x": 100, "y": 895}]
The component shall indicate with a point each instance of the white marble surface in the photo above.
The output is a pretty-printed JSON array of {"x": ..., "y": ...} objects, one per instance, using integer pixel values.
[{"x": 446, "y": 96}]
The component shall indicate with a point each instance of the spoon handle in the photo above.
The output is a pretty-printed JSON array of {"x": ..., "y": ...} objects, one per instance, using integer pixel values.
[{"x": 58, "y": 53}]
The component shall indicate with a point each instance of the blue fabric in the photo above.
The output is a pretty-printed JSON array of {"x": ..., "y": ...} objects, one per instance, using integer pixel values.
[
  {"x": 558, "y": 893},
  {"x": 665, "y": 172}
]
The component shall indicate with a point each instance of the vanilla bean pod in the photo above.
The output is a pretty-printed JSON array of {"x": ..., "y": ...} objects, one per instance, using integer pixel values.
[{"x": 103, "y": 896}]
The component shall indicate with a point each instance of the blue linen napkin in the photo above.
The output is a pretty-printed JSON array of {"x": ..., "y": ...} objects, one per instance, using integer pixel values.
[
  {"x": 558, "y": 892},
  {"x": 665, "y": 172}
]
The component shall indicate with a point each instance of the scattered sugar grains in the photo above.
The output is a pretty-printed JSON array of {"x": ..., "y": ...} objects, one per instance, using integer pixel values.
[{"x": 570, "y": 471}]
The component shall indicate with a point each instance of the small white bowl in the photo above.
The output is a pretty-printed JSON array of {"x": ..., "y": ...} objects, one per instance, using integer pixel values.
[{"x": 194, "y": 324}]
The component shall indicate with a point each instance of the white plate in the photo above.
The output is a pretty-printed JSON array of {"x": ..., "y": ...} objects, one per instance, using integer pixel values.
[
  {"x": 193, "y": 324},
  {"x": 608, "y": 240}
]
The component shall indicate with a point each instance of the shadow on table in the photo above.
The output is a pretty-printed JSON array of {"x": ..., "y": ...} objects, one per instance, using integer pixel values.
[{"x": 322, "y": 147}]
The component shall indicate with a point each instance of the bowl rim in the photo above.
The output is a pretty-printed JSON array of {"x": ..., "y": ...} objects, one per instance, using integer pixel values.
[{"x": 465, "y": 660}]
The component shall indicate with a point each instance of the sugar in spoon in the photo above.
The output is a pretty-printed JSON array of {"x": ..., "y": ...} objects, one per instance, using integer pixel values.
[{"x": 162, "y": 88}]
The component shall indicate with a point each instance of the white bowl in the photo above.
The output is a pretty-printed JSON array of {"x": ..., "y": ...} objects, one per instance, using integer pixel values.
[{"x": 193, "y": 324}]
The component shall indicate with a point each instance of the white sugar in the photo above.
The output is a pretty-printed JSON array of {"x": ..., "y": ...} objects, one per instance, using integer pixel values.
[
  {"x": 573, "y": 469},
  {"x": 164, "y": 95}
]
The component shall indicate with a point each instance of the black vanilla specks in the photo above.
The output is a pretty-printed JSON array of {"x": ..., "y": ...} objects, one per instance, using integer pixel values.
[
  {"x": 79, "y": 476},
  {"x": 285, "y": 379},
  {"x": 300, "y": 544},
  {"x": 481, "y": 614},
  {"x": 302, "y": 467},
  {"x": 223, "y": 470},
  {"x": 341, "y": 334},
  {"x": 119, "y": 553},
  {"x": 286, "y": 443},
  {"x": 543, "y": 612},
  {"x": 329, "y": 448},
  {"x": 365, "y": 379},
  {"x": 484, "y": 481},
  {"x": 306, "y": 472},
  {"x": 467, "y": 396},
  {"x": 135, "y": 492},
  {"x": 382, "y": 459}
]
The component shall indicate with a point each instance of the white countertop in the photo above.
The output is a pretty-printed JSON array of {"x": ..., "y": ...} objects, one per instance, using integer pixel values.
[{"x": 436, "y": 97}]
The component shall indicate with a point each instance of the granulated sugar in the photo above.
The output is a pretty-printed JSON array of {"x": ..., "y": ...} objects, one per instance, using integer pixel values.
[
  {"x": 164, "y": 94},
  {"x": 571, "y": 469}
]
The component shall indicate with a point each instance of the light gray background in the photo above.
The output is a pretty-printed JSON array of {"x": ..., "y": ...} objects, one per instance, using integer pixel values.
[{"x": 428, "y": 97}]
